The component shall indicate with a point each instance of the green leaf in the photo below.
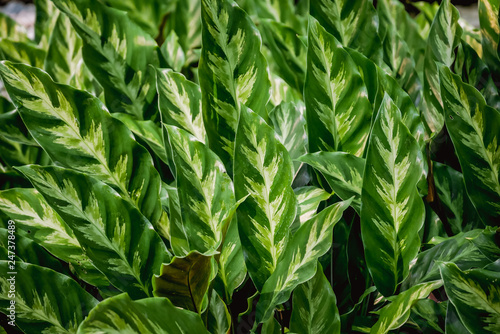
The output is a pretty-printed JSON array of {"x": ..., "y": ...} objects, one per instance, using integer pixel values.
[
  {"x": 264, "y": 170},
  {"x": 444, "y": 37},
  {"x": 353, "y": 22},
  {"x": 474, "y": 129},
  {"x": 33, "y": 215},
  {"x": 13, "y": 129},
  {"x": 121, "y": 314},
  {"x": 180, "y": 103},
  {"x": 172, "y": 52},
  {"x": 75, "y": 129},
  {"x": 338, "y": 109},
  {"x": 21, "y": 52},
  {"x": 186, "y": 22},
  {"x": 289, "y": 124},
  {"x": 397, "y": 312},
  {"x": 392, "y": 212},
  {"x": 119, "y": 240},
  {"x": 476, "y": 296},
  {"x": 233, "y": 73},
  {"x": 10, "y": 29},
  {"x": 185, "y": 280},
  {"x": 475, "y": 248},
  {"x": 490, "y": 32},
  {"x": 46, "y": 301},
  {"x": 206, "y": 192},
  {"x": 218, "y": 319},
  {"x": 46, "y": 17},
  {"x": 453, "y": 323},
  {"x": 118, "y": 53},
  {"x": 342, "y": 171},
  {"x": 271, "y": 326},
  {"x": 315, "y": 307},
  {"x": 288, "y": 51},
  {"x": 298, "y": 262},
  {"x": 308, "y": 200}
]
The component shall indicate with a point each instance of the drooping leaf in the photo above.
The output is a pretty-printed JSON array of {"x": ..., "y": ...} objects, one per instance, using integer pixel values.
[
  {"x": 338, "y": 109},
  {"x": 298, "y": 262},
  {"x": 184, "y": 281},
  {"x": 219, "y": 319},
  {"x": 490, "y": 32},
  {"x": 392, "y": 212},
  {"x": 121, "y": 314},
  {"x": 475, "y": 295},
  {"x": 118, "y": 239},
  {"x": 289, "y": 124},
  {"x": 45, "y": 301},
  {"x": 474, "y": 129},
  {"x": 117, "y": 52},
  {"x": 315, "y": 307},
  {"x": 397, "y": 312},
  {"x": 206, "y": 193},
  {"x": 33, "y": 215},
  {"x": 180, "y": 103},
  {"x": 77, "y": 131},
  {"x": 342, "y": 171},
  {"x": 263, "y": 169},
  {"x": 444, "y": 37},
  {"x": 233, "y": 73}
]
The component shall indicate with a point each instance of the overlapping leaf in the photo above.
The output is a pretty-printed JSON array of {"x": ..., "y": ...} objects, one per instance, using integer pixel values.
[
  {"x": 392, "y": 212},
  {"x": 21, "y": 52},
  {"x": 233, "y": 73},
  {"x": 45, "y": 301},
  {"x": 490, "y": 32},
  {"x": 338, "y": 109},
  {"x": 263, "y": 170},
  {"x": 78, "y": 132},
  {"x": 474, "y": 129},
  {"x": 118, "y": 239},
  {"x": 308, "y": 200}
]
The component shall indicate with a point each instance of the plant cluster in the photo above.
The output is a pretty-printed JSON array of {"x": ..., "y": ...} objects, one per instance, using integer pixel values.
[{"x": 267, "y": 166}]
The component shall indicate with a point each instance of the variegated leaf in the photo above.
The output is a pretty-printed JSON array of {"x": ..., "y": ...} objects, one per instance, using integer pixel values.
[
  {"x": 444, "y": 37},
  {"x": 178, "y": 236},
  {"x": 308, "y": 200},
  {"x": 186, "y": 23},
  {"x": 397, "y": 312},
  {"x": 117, "y": 52},
  {"x": 474, "y": 129},
  {"x": 21, "y": 52},
  {"x": 342, "y": 171},
  {"x": 10, "y": 29},
  {"x": 46, "y": 17},
  {"x": 263, "y": 169},
  {"x": 315, "y": 307},
  {"x": 338, "y": 109},
  {"x": 392, "y": 212},
  {"x": 206, "y": 193},
  {"x": 121, "y": 314},
  {"x": 298, "y": 262},
  {"x": 233, "y": 73},
  {"x": 33, "y": 215},
  {"x": 118, "y": 239},
  {"x": 218, "y": 319},
  {"x": 185, "y": 280},
  {"x": 290, "y": 127},
  {"x": 475, "y": 295},
  {"x": 173, "y": 53},
  {"x": 490, "y": 32},
  {"x": 78, "y": 132},
  {"x": 45, "y": 301},
  {"x": 180, "y": 102}
]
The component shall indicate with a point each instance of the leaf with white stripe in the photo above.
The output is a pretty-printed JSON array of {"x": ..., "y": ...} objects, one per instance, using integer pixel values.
[
  {"x": 444, "y": 37},
  {"x": 338, "y": 110},
  {"x": 206, "y": 192},
  {"x": 233, "y": 72},
  {"x": 118, "y": 53},
  {"x": 315, "y": 307},
  {"x": 308, "y": 200},
  {"x": 290, "y": 127},
  {"x": 490, "y": 32},
  {"x": 180, "y": 102},
  {"x": 10, "y": 29},
  {"x": 33, "y": 215},
  {"x": 342, "y": 171},
  {"x": 397, "y": 312},
  {"x": 474, "y": 129},
  {"x": 392, "y": 211},
  {"x": 77, "y": 131},
  {"x": 46, "y": 17},
  {"x": 263, "y": 169},
  {"x": 298, "y": 262},
  {"x": 475, "y": 295},
  {"x": 121, "y": 314},
  {"x": 218, "y": 318},
  {"x": 45, "y": 301},
  {"x": 118, "y": 239},
  {"x": 21, "y": 52}
]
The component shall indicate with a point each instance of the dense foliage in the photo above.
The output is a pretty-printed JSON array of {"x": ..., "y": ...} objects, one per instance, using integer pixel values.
[{"x": 274, "y": 166}]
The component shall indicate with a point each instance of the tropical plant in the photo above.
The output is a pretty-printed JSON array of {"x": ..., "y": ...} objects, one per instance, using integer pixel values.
[{"x": 268, "y": 166}]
